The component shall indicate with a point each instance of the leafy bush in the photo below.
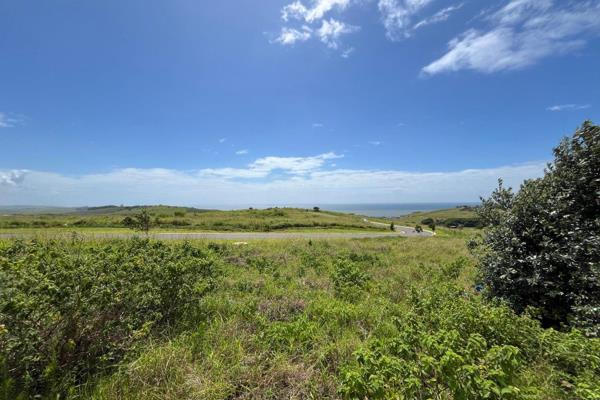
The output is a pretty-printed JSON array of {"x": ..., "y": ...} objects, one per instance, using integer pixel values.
[
  {"x": 69, "y": 312},
  {"x": 348, "y": 278},
  {"x": 542, "y": 247},
  {"x": 453, "y": 345}
]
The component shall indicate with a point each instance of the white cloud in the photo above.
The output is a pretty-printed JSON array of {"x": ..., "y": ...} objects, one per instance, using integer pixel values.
[
  {"x": 262, "y": 167},
  {"x": 397, "y": 16},
  {"x": 222, "y": 140},
  {"x": 331, "y": 31},
  {"x": 289, "y": 36},
  {"x": 297, "y": 10},
  {"x": 564, "y": 107},
  {"x": 7, "y": 121},
  {"x": 297, "y": 165},
  {"x": 439, "y": 16},
  {"x": 375, "y": 143},
  {"x": 305, "y": 182},
  {"x": 317, "y": 125},
  {"x": 241, "y": 152},
  {"x": 328, "y": 32},
  {"x": 520, "y": 34}
]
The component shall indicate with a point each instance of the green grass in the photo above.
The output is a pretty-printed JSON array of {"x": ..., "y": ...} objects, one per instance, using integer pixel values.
[
  {"x": 441, "y": 215},
  {"x": 323, "y": 319},
  {"x": 190, "y": 220}
]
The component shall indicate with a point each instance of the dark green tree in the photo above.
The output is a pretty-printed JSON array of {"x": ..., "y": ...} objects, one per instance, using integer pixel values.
[
  {"x": 418, "y": 228},
  {"x": 541, "y": 248},
  {"x": 142, "y": 221},
  {"x": 392, "y": 227}
]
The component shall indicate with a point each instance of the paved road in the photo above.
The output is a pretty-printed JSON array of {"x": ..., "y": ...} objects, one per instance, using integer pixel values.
[{"x": 241, "y": 236}]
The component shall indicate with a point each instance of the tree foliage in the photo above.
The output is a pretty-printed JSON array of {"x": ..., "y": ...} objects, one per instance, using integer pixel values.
[
  {"x": 143, "y": 221},
  {"x": 542, "y": 245}
]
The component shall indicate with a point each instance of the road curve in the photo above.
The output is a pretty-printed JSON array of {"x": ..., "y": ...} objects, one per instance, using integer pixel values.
[{"x": 402, "y": 230}]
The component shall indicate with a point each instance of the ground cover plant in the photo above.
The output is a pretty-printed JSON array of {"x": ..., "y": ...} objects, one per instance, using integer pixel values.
[{"x": 287, "y": 319}]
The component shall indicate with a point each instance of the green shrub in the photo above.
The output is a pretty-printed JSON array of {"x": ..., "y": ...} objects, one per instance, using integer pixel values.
[
  {"x": 348, "y": 278},
  {"x": 542, "y": 247},
  {"x": 453, "y": 345},
  {"x": 70, "y": 312}
]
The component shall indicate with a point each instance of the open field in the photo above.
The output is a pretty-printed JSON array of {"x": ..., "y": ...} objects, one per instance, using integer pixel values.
[
  {"x": 287, "y": 319},
  {"x": 168, "y": 219}
]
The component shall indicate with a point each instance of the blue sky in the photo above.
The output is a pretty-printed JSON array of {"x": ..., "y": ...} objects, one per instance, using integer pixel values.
[{"x": 245, "y": 101}]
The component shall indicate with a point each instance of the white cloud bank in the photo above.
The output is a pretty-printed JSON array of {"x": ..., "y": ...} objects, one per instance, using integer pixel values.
[
  {"x": 520, "y": 34},
  {"x": 268, "y": 180}
]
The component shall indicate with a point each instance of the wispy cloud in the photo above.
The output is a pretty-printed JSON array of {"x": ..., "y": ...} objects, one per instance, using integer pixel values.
[
  {"x": 222, "y": 140},
  {"x": 8, "y": 121},
  {"x": 375, "y": 143},
  {"x": 311, "y": 21},
  {"x": 306, "y": 180},
  {"x": 565, "y": 107},
  {"x": 520, "y": 34},
  {"x": 317, "y": 125},
  {"x": 397, "y": 16},
  {"x": 347, "y": 53},
  {"x": 331, "y": 31},
  {"x": 439, "y": 16},
  {"x": 241, "y": 152}
]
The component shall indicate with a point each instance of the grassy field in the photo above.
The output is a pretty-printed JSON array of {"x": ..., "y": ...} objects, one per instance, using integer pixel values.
[
  {"x": 186, "y": 219},
  {"x": 287, "y": 319}
]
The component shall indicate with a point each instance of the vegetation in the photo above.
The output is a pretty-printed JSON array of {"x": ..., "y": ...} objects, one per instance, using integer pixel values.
[
  {"x": 353, "y": 319},
  {"x": 459, "y": 217},
  {"x": 177, "y": 218},
  {"x": 71, "y": 311},
  {"x": 542, "y": 249},
  {"x": 142, "y": 221}
]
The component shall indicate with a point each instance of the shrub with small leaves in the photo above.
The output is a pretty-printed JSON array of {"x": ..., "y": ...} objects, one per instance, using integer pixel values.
[
  {"x": 542, "y": 245},
  {"x": 71, "y": 311}
]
